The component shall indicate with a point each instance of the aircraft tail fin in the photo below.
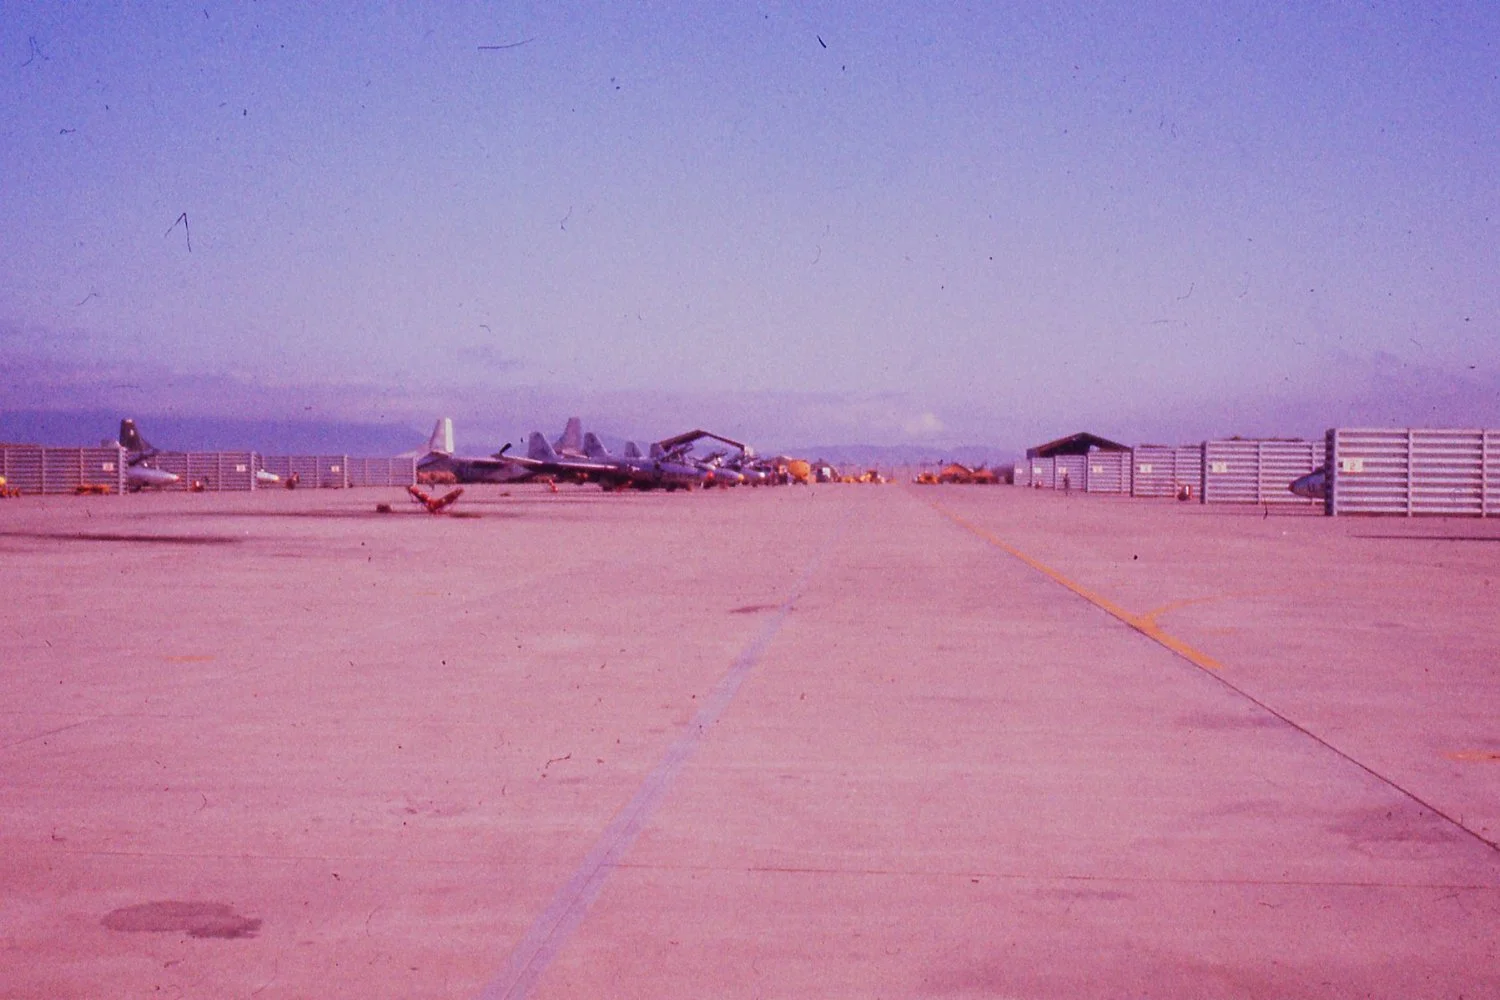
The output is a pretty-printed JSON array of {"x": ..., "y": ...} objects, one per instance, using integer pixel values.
[
  {"x": 537, "y": 448},
  {"x": 593, "y": 447},
  {"x": 131, "y": 440},
  {"x": 441, "y": 441},
  {"x": 572, "y": 437},
  {"x": 657, "y": 451},
  {"x": 633, "y": 450}
]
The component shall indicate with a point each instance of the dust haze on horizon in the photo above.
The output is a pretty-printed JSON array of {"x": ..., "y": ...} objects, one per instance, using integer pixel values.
[{"x": 803, "y": 224}]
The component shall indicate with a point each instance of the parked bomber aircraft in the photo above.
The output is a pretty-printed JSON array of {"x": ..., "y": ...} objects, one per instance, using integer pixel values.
[
  {"x": 583, "y": 458},
  {"x": 488, "y": 469},
  {"x": 546, "y": 460},
  {"x": 642, "y": 473},
  {"x": 571, "y": 444},
  {"x": 540, "y": 459},
  {"x": 138, "y": 474},
  {"x": 728, "y": 470}
]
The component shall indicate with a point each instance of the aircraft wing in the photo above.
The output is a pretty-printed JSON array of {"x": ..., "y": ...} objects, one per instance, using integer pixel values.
[
  {"x": 688, "y": 437},
  {"x": 563, "y": 465},
  {"x": 558, "y": 466}
]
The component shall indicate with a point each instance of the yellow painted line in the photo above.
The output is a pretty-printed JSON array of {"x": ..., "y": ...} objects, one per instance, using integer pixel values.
[
  {"x": 1179, "y": 605},
  {"x": 1475, "y": 756},
  {"x": 1147, "y": 627},
  {"x": 1144, "y": 624}
]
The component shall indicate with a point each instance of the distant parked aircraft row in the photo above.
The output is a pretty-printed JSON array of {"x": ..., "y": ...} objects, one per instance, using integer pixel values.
[{"x": 575, "y": 456}]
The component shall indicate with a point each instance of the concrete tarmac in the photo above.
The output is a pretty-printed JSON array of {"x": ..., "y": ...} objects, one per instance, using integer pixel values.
[{"x": 855, "y": 741}]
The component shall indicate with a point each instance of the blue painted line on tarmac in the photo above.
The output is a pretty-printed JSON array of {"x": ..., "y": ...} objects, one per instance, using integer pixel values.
[{"x": 550, "y": 932}]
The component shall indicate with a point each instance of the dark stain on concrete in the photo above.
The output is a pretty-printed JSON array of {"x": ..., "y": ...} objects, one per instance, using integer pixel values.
[
  {"x": 1106, "y": 895},
  {"x": 751, "y": 609},
  {"x": 1252, "y": 809},
  {"x": 1432, "y": 538},
  {"x": 1212, "y": 720},
  {"x": 91, "y": 536},
  {"x": 1399, "y": 830},
  {"x": 199, "y": 920}
]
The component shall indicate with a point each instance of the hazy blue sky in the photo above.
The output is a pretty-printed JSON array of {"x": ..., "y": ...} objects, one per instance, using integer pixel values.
[{"x": 805, "y": 223}]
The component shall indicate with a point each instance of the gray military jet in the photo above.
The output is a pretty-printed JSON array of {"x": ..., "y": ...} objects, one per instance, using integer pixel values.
[
  {"x": 571, "y": 444},
  {"x": 727, "y": 469},
  {"x": 574, "y": 463},
  {"x": 564, "y": 461},
  {"x": 662, "y": 470},
  {"x": 139, "y": 474},
  {"x": 440, "y": 459}
]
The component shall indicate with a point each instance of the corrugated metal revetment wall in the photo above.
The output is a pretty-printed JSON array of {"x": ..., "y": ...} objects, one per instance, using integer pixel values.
[
  {"x": 1108, "y": 472},
  {"x": 1071, "y": 470},
  {"x": 325, "y": 471},
  {"x": 1413, "y": 471},
  {"x": 1042, "y": 472},
  {"x": 1258, "y": 472},
  {"x": 210, "y": 470},
  {"x": 382, "y": 471},
  {"x": 33, "y": 469},
  {"x": 1097, "y": 472},
  {"x": 1161, "y": 470}
]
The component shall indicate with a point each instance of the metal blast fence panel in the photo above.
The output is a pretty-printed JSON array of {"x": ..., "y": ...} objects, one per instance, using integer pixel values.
[
  {"x": 1188, "y": 466},
  {"x": 1043, "y": 472},
  {"x": 1281, "y": 462},
  {"x": 104, "y": 467},
  {"x": 1163, "y": 470},
  {"x": 1231, "y": 472},
  {"x": 311, "y": 470},
  {"x": 1154, "y": 475},
  {"x": 1491, "y": 473},
  {"x": 1071, "y": 472},
  {"x": 204, "y": 469},
  {"x": 1411, "y": 471},
  {"x": 333, "y": 471},
  {"x": 1257, "y": 472},
  {"x": 382, "y": 471},
  {"x": 175, "y": 462},
  {"x": 22, "y": 467},
  {"x": 222, "y": 470},
  {"x": 1448, "y": 472},
  {"x": 1109, "y": 472},
  {"x": 62, "y": 469},
  {"x": 237, "y": 470},
  {"x": 34, "y": 469}
]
